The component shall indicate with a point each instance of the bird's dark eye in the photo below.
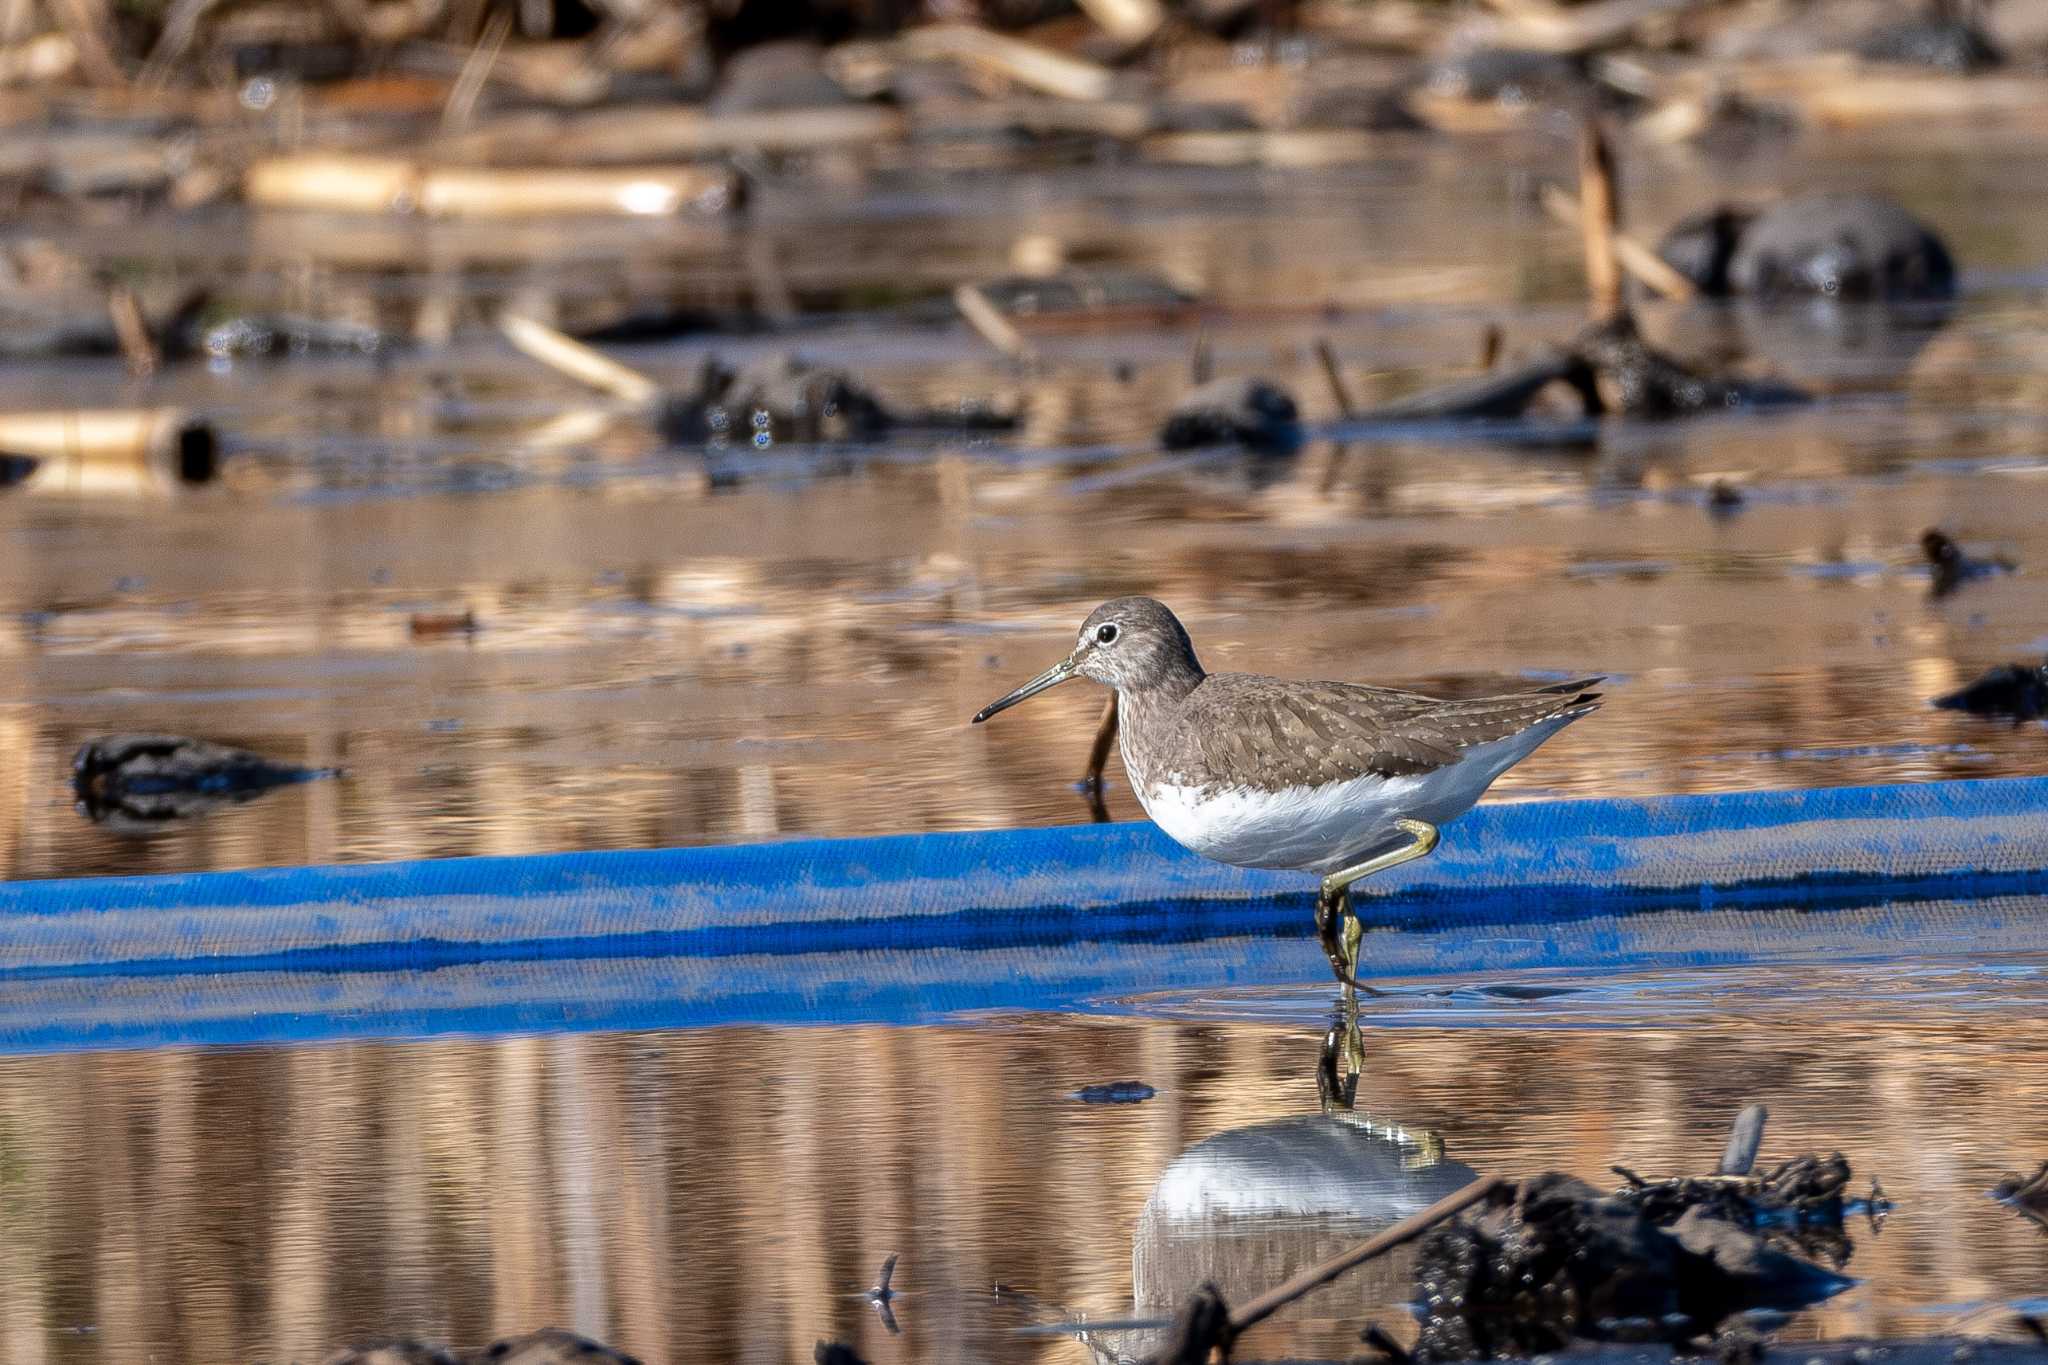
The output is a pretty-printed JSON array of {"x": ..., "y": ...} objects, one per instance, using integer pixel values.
[{"x": 1106, "y": 635}]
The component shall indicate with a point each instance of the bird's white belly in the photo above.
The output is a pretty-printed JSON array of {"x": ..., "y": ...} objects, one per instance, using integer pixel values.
[{"x": 1322, "y": 829}]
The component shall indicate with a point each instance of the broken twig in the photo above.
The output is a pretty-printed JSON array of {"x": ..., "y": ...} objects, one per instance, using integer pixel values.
[
  {"x": 1407, "y": 1230},
  {"x": 580, "y": 362}
]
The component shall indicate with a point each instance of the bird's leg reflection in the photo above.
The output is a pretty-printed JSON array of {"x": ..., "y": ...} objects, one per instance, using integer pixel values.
[
  {"x": 1091, "y": 785},
  {"x": 1342, "y": 1060}
]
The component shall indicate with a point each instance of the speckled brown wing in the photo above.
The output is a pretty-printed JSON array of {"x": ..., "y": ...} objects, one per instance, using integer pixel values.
[{"x": 1240, "y": 729}]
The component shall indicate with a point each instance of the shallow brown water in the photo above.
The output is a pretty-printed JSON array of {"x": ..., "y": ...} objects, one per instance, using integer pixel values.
[
  {"x": 720, "y": 1194},
  {"x": 680, "y": 646},
  {"x": 677, "y": 647}
]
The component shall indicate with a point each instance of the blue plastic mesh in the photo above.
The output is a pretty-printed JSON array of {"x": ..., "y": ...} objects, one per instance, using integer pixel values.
[{"x": 914, "y": 927}]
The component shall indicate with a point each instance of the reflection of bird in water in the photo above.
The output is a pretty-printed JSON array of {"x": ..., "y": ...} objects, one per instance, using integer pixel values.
[
  {"x": 880, "y": 1296},
  {"x": 1248, "y": 1207},
  {"x": 1339, "y": 779},
  {"x": 1952, "y": 568}
]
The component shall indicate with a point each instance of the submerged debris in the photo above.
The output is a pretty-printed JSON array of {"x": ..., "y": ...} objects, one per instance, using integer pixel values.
[
  {"x": 1551, "y": 1261},
  {"x": 1254, "y": 413},
  {"x": 787, "y": 397},
  {"x": 1846, "y": 246},
  {"x": 137, "y": 783},
  {"x": 1944, "y": 42},
  {"x": 1201, "y": 1328},
  {"x": 2016, "y": 690},
  {"x": 1636, "y": 380},
  {"x": 1952, "y": 568},
  {"x": 1510, "y": 76}
]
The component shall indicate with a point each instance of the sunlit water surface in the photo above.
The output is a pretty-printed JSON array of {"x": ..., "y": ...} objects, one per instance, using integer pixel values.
[{"x": 687, "y": 646}]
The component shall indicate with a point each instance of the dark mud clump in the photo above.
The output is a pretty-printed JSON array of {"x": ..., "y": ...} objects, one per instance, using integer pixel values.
[
  {"x": 2016, "y": 690},
  {"x": 1551, "y": 1261},
  {"x": 1941, "y": 42},
  {"x": 1253, "y": 413},
  {"x": 1512, "y": 76},
  {"x": 1848, "y": 246},
  {"x": 1637, "y": 380},
  {"x": 136, "y": 783},
  {"x": 780, "y": 398},
  {"x": 1798, "y": 1206},
  {"x": 787, "y": 397}
]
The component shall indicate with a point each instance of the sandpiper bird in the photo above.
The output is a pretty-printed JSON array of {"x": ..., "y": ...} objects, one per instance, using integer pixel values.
[{"x": 1339, "y": 779}]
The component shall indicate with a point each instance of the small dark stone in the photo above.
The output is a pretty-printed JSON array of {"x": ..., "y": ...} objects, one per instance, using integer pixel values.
[
  {"x": 836, "y": 1353},
  {"x": 1250, "y": 412},
  {"x": 1942, "y": 42},
  {"x": 1847, "y": 246},
  {"x": 15, "y": 468},
  {"x": 780, "y": 398},
  {"x": 1510, "y": 76},
  {"x": 1637, "y": 380}
]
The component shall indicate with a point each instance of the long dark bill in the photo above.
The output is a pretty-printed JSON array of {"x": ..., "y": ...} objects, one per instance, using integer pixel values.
[{"x": 1052, "y": 677}]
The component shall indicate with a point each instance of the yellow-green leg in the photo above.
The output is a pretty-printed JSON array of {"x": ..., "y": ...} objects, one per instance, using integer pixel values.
[{"x": 1338, "y": 926}]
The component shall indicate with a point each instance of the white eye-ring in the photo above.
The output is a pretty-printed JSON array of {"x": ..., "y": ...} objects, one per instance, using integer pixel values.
[{"x": 1106, "y": 635}]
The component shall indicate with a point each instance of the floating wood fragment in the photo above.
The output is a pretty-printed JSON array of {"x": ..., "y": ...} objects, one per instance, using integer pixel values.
[
  {"x": 88, "y": 25},
  {"x": 1599, "y": 220},
  {"x": 582, "y": 363},
  {"x": 469, "y": 86},
  {"x": 370, "y": 184},
  {"x": 1298, "y": 149},
  {"x": 1013, "y": 59},
  {"x": 1037, "y": 115},
  {"x": 993, "y": 327},
  {"x": 1549, "y": 27},
  {"x": 47, "y": 57},
  {"x": 1875, "y": 98},
  {"x": 1335, "y": 378},
  {"x": 1405, "y": 1231},
  {"x": 1129, "y": 22},
  {"x": 124, "y": 451},
  {"x": 137, "y": 349},
  {"x": 640, "y": 136},
  {"x": 1650, "y": 269}
]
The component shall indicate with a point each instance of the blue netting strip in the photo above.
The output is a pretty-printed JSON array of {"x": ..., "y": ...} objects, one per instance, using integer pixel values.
[{"x": 914, "y": 926}]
